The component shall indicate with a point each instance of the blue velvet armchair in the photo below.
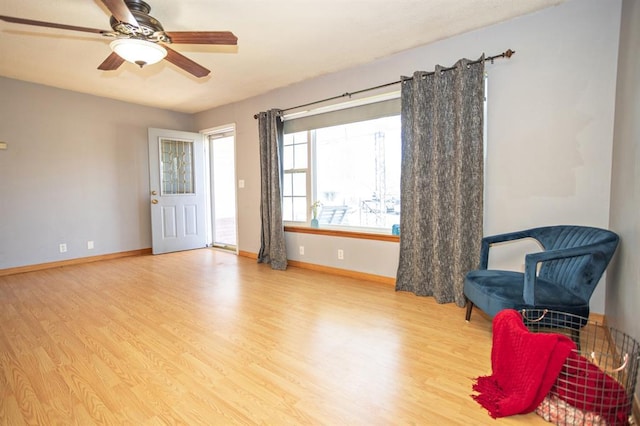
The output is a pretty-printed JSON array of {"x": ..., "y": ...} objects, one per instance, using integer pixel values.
[{"x": 561, "y": 278}]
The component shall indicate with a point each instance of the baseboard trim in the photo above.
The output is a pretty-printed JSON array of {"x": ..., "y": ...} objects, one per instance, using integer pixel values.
[
  {"x": 76, "y": 261},
  {"x": 599, "y": 318},
  {"x": 343, "y": 272},
  {"x": 330, "y": 270},
  {"x": 248, "y": 254}
]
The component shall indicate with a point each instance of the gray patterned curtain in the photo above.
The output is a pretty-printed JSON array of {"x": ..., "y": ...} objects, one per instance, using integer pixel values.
[
  {"x": 272, "y": 248},
  {"x": 441, "y": 180}
]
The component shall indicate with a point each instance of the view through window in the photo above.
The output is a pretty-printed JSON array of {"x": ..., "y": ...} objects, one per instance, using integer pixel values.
[{"x": 353, "y": 172}]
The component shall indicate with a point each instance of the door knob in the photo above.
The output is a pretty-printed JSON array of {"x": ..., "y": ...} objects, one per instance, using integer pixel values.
[{"x": 154, "y": 201}]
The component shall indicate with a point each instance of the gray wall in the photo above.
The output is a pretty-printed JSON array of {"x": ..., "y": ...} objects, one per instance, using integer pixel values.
[
  {"x": 623, "y": 290},
  {"x": 550, "y": 129},
  {"x": 75, "y": 170}
]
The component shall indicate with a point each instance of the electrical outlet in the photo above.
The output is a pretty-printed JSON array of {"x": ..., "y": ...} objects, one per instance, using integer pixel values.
[
  {"x": 90, "y": 245},
  {"x": 340, "y": 254},
  {"x": 63, "y": 248},
  {"x": 302, "y": 250}
]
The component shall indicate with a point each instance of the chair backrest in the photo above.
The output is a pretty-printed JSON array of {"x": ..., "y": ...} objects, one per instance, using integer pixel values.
[{"x": 580, "y": 275}]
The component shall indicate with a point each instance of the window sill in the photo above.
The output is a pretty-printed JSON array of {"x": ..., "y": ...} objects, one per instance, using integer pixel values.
[{"x": 345, "y": 234}]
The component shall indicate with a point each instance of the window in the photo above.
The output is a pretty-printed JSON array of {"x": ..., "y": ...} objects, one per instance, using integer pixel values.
[
  {"x": 349, "y": 162},
  {"x": 176, "y": 160},
  {"x": 294, "y": 186}
]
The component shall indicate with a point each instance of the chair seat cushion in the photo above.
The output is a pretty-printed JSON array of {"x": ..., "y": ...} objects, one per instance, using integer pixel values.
[{"x": 495, "y": 290}]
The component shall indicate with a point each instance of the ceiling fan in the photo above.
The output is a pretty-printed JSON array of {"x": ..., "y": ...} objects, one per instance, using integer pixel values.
[{"x": 140, "y": 38}]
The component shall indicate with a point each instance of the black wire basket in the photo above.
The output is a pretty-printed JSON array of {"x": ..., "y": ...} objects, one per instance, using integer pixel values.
[{"x": 597, "y": 384}]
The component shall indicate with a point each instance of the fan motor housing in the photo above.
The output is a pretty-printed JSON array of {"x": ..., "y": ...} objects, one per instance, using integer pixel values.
[{"x": 148, "y": 24}]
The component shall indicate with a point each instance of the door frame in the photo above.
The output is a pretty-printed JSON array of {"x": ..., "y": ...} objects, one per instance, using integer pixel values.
[{"x": 223, "y": 129}]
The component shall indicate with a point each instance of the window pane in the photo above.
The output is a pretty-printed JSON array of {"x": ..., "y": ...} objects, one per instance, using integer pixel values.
[
  {"x": 300, "y": 209},
  {"x": 294, "y": 191},
  {"x": 287, "y": 158},
  {"x": 299, "y": 184},
  {"x": 288, "y": 139},
  {"x": 357, "y": 168},
  {"x": 287, "y": 208},
  {"x": 300, "y": 137},
  {"x": 287, "y": 185},
  {"x": 176, "y": 159},
  {"x": 300, "y": 155}
]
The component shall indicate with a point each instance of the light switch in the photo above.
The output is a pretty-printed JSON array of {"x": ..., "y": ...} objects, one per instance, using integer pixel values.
[{"x": 241, "y": 183}]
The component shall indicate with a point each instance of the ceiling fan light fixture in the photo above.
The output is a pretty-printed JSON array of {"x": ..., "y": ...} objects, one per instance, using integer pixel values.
[{"x": 139, "y": 52}]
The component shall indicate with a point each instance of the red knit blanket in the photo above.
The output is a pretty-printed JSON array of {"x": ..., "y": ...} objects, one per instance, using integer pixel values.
[{"x": 525, "y": 366}]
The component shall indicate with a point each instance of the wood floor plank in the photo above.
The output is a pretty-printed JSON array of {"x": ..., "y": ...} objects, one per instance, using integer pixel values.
[
  {"x": 206, "y": 337},
  {"x": 10, "y": 413}
]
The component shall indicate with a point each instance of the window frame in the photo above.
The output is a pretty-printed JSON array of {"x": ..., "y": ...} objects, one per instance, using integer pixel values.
[
  {"x": 292, "y": 172},
  {"x": 349, "y": 230}
]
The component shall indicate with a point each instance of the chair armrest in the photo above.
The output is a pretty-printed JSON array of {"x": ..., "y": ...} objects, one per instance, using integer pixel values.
[
  {"x": 499, "y": 238},
  {"x": 531, "y": 261}
]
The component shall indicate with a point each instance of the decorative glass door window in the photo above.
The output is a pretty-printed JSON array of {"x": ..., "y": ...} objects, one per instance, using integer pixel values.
[{"x": 176, "y": 163}]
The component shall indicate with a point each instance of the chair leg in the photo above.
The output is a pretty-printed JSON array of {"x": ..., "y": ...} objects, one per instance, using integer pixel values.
[{"x": 469, "y": 308}]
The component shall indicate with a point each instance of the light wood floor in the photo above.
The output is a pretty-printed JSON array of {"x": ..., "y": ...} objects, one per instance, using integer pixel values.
[{"x": 205, "y": 337}]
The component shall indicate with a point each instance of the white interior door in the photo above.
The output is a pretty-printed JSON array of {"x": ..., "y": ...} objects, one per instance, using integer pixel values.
[{"x": 177, "y": 192}]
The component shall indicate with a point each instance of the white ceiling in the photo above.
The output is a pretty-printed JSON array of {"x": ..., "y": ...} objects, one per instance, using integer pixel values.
[{"x": 280, "y": 42}]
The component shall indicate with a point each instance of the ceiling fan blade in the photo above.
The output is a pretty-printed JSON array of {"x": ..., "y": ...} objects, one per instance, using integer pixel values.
[
  {"x": 112, "y": 62},
  {"x": 120, "y": 11},
  {"x": 185, "y": 63},
  {"x": 203, "y": 37},
  {"x": 50, "y": 24}
]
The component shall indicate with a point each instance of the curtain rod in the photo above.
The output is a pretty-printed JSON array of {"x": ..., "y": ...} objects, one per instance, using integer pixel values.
[{"x": 506, "y": 54}]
